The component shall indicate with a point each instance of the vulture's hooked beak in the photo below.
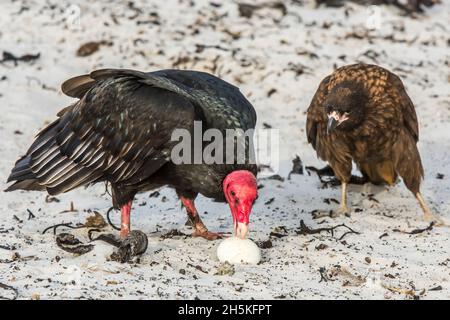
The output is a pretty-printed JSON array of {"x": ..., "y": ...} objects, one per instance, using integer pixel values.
[
  {"x": 241, "y": 218},
  {"x": 334, "y": 120}
]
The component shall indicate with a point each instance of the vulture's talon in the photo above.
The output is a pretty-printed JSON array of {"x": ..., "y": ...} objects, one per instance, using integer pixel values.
[{"x": 208, "y": 235}]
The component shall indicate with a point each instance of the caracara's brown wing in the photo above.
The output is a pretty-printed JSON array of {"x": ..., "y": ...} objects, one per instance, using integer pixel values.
[
  {"x": 315, "y": 113},
  {"x": 316, "y": 122},
  {"x": 327, "y": 147},
  {"x": 407, "y": 107},
  {"x": 119, "y": 131}
]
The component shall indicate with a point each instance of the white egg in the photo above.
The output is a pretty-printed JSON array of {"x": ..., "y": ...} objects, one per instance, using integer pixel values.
[{"x": 236, "y": 250}]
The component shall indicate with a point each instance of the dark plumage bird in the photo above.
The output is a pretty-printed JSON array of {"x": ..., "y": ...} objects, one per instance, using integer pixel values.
[
  {"x": 362, "y": 113},
  {"x": 119, "y": 131}
]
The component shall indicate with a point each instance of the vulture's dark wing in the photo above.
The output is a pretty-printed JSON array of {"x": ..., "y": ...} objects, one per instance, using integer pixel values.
[
  {"x": 77, "y": 87},
  {"x": 222, "y": 104},
  {"x": 119, "y": 130}
]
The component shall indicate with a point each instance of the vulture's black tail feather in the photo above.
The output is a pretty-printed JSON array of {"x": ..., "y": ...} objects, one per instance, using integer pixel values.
[
  {"x": 24, "y": 177},
  {"x": 22, "y": 174}
]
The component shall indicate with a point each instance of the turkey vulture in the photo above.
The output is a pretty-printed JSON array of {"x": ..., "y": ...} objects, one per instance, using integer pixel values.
[
  {"x": 362, "y": 113},
  {"x": 119, "y": 131}
]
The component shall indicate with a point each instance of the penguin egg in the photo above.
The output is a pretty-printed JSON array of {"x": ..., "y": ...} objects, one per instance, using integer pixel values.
[{"x": 235, "y": 250}]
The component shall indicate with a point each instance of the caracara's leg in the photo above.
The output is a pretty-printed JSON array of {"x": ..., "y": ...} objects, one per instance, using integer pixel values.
[
  {"x": 427, "y": 214},
  {"x": 125, "y": 211},
  {"x": 343, "y": 208},
  {"x": 200, "y": 229},
  {"x": 409, "y": 166}
]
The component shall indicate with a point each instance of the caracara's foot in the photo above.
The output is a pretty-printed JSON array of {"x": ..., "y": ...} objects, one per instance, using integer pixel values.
[
  {"x": 342, "y": 211},
  {"x": 427, "y": 215},
  {"x": 438, "y": 222}
]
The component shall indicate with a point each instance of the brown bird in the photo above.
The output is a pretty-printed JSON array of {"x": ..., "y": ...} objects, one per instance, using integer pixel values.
[{"x": 362, "y": 113}]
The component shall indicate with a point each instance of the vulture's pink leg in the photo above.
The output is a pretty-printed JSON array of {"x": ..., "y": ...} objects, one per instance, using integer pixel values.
[
  {"x": 200, "y": 228},
  {"x": 125, "y": 211}
]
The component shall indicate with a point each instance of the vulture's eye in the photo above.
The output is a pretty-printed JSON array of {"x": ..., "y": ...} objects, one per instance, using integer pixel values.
[{"x": 233, "y": 193}]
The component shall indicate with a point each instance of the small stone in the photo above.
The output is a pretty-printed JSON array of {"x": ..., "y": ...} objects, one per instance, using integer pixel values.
[
  {"x": 321, "y": 246},
  {"x": 224, "y": 269},
  {"x": 35, "y": 296}
]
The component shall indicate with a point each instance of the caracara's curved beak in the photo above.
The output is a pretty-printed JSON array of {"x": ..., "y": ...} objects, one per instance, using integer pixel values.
[
  {"x": 332, "y": 124},
  {"x": 241, "y": 230},
  {"x": 334, "y": 120}
]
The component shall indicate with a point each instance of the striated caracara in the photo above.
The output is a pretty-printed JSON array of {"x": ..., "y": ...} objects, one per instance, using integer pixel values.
[{"x": 362, "y": 113}]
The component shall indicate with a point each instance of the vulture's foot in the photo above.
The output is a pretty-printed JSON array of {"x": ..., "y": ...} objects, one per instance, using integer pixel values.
[
  {"x": 208, "y": 235},
  {"x": 124, "y": 232},
  {"x": 202, "y": 231},
  {"x": 134, "y": 244}
]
